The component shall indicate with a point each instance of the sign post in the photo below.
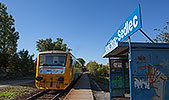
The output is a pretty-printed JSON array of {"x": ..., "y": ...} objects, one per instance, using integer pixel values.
[
  {"x": 130, "y": 67},
  {"x": 110, "y": 79}
]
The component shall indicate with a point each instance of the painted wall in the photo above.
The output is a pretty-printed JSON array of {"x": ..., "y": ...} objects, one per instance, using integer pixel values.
[{"x": 150, "y": 74}]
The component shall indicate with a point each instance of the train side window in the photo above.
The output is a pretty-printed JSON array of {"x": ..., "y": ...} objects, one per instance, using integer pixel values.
[{"x": 71, "y": 61}]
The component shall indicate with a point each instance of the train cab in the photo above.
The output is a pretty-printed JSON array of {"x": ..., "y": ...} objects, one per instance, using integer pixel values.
[{"x": 56, "y": 70}]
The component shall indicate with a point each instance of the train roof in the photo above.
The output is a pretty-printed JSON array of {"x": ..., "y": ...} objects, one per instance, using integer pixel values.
[{"x": 53, "y": 51}]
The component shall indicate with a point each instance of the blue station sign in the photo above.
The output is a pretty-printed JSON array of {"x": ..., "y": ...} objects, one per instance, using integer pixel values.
[{"x": 131, "y": 25}]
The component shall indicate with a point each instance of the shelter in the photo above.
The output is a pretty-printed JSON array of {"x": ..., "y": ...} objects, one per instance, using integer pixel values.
[{"x": 145, "y": 76}]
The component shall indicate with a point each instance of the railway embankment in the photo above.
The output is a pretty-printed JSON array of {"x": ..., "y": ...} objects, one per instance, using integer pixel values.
[{"x": 16, "y": 89}]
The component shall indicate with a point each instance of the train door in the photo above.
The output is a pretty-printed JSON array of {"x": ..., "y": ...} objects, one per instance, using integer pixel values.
[{"x": 71, "y": 69}]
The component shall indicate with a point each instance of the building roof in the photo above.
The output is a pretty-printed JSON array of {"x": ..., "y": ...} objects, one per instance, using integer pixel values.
[{"x": 122, "y": 48}]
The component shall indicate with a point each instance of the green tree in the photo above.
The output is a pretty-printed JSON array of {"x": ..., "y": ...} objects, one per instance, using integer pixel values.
[
  {"x": 26, "y": 63},
  {"x": 81, "y": 60},
  {"x": 92, "y": 67},
  {"x": 21, "y": 64},
  {"x": 47, "y": 44},
  {"x": 8, "y": 37},
  {"x": 163, "y": 36},
  {"x": 14, "y": 65},
  {"x": 103, "y": 70}
]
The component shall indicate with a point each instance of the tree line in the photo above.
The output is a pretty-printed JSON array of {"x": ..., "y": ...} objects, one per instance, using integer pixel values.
[
  {"x": 15, "y": 64},
  {"x": 97, "y": 69},
  {"x": 12, "y": 63}
]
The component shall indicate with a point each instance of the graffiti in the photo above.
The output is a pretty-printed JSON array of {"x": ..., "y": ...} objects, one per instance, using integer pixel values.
[
  {"x": 159, "y": 86},
  {"x": 141, "y": 83},
  {"x": 151, "y": 72},
  {"x": 154, "y": 77},
  {"x": 120, "y": 81},
  {"x": 165, "y": 64},
  {"x": 141, "y": 59},
  {"x": 157, "y": 79}
]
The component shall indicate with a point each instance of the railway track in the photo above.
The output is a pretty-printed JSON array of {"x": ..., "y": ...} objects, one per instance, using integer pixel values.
[
  {"x": 51, "y": 94},
  {"x": 46, "y": 95}
]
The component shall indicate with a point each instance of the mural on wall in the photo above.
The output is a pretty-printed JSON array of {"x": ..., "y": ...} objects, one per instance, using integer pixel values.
[{"x": 151, "y": 73}]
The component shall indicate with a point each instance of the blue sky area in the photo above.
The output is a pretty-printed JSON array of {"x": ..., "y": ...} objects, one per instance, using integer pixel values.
[{"x": 85, "y": 25}]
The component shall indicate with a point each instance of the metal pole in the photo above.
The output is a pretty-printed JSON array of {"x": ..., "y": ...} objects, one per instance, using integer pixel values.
[
  {"x": 146, "y": 35},
  {"x": 129, "y": 50},
  {"x": 130, "y": 68},
  {"x": 110, "y": 79}
]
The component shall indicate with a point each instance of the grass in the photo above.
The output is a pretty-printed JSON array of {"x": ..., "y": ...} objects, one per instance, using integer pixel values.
[
  {"x": 10, "y": 92},
  {"x": 7, "y": 94},
  {"x": 13, "y": 91}
]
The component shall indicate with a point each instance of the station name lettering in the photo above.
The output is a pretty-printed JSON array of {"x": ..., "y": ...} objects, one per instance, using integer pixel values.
[
  {"x": 129, "y": 25},
  {"x": 122, "y": 32}
]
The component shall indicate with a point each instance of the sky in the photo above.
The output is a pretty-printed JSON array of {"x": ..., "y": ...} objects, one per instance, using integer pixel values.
[{"x": 85, "y": 25}]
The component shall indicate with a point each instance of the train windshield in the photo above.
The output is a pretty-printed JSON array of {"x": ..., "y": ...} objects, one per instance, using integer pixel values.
[{"x": 52, "y": 59}]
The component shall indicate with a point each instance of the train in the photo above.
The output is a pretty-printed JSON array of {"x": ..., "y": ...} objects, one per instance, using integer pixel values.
[{"x": 56, "y": 70}]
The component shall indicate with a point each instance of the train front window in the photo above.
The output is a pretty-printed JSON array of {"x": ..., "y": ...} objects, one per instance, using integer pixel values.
[{"x": 52, "y": 59}]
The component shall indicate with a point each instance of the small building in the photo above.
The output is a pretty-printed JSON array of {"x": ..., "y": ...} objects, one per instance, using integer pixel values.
[{"x": 145, "y": 76}]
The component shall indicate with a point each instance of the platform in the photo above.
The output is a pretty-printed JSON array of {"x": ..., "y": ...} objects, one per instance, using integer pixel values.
[{"x": 81, "y": 90}]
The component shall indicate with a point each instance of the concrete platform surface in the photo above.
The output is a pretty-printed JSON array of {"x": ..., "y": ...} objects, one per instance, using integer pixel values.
[{"x": 81, "y": 90}]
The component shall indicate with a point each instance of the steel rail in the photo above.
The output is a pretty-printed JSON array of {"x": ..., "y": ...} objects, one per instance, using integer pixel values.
[
  {"x": 57, "y": 96},
  {"x": 36, "y": 95}
]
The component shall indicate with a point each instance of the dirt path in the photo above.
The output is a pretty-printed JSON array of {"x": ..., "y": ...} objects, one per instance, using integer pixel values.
[{"x": 13, "y": 82}]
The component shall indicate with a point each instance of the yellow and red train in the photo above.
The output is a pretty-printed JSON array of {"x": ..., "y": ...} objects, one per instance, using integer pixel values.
[{"x": 56, "y": 70}]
